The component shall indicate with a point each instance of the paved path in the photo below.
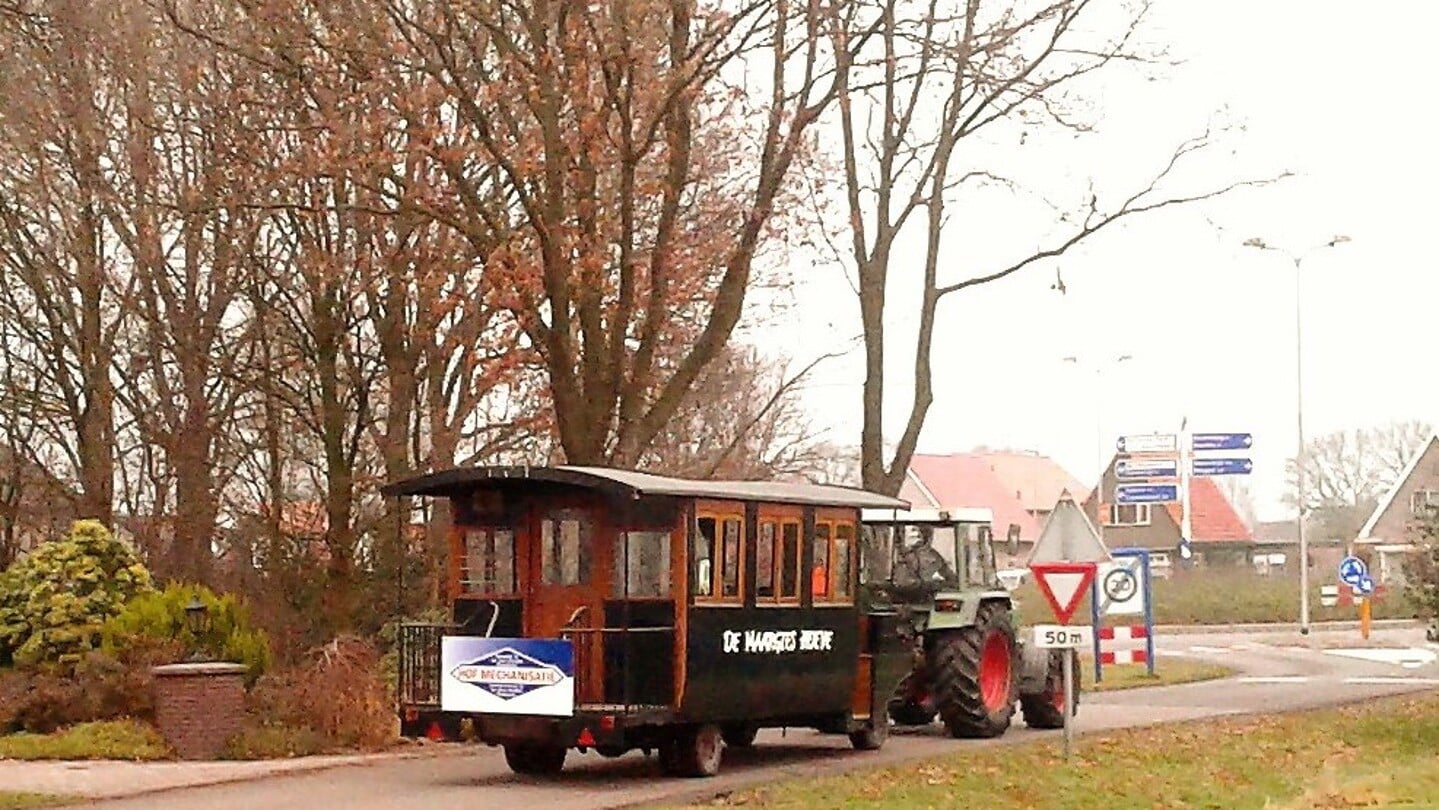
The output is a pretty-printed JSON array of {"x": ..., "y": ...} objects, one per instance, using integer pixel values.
[{"x": 466, "y": 777}]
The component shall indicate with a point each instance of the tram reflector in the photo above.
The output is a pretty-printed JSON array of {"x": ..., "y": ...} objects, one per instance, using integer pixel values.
[
  {"x": 435, "y": 733},
  {"x": 586, "y": 738}
]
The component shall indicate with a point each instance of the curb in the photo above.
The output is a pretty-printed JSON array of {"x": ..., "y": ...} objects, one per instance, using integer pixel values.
[{"x": 274, "y": 771}]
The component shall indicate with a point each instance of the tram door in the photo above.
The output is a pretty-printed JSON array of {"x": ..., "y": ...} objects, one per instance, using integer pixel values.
[{"x": 566, "y": 588}]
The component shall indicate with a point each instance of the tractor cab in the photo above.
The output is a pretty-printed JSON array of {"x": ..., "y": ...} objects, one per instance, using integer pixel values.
[{"x": 920, "y": 556}]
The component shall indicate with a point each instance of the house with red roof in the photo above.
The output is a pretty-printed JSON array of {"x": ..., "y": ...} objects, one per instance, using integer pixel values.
[
  {"x": 1020, "y": 488},
  {"x": 1220, "y": 535}
]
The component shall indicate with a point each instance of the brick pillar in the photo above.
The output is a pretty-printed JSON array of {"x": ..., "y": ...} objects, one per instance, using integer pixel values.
[{"x": 199, "y": 707}]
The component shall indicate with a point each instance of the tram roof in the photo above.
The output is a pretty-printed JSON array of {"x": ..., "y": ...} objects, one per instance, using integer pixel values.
[{"x": 631, "y": 483}]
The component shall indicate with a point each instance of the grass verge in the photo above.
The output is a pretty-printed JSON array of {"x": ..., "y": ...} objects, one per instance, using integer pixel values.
[
  {"x": 21, "y": 801},
  {"x": 1227, "y": 597},
  {"x": 1167, "y": 672},
  {"x": 110, "y": 739},
  {"x": 1383, "y": 753}
]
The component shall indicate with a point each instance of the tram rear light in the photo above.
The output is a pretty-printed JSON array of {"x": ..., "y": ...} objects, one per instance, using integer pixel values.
[
  {"x": 947, "y": 604},
  {"x": 607, "y": 723}
]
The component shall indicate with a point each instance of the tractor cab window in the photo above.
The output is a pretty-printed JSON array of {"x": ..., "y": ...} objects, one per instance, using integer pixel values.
[
  {"x": 979, "y": 567},
  {"x": 876, "y": 553},
  {"x": 927, "y": 554}
]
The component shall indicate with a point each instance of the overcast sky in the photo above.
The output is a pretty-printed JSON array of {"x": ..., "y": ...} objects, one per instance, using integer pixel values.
[{"x": 1336, "y": 92}]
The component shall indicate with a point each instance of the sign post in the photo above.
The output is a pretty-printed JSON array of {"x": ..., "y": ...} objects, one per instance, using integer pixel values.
[
  {"x": 1354, "y": 573},
  {"x": 1064, "y": 561},
  {"x": 1122, "y": 588}
]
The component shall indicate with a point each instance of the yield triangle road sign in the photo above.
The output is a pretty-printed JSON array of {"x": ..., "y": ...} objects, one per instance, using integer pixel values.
[
  {"x": 1063, "y": 585},
  {"x": 1068, "y": 536}
]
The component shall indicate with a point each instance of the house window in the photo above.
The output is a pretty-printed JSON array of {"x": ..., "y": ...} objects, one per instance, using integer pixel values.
[
  {"x": 1423, "y": 500},
  {"x": 717, "y": 548},
  {"x": 646, "y": 556},
  {"x": 1129, "y": 514},
  {"x": 488, "y": 568}
]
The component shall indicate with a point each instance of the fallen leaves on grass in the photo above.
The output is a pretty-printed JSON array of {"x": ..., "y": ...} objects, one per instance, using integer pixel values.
[{"x": 1287, "y": 761}]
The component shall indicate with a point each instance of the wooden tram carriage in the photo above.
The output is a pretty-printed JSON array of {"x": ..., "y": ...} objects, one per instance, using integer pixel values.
[{"x": 605, "y": 609}]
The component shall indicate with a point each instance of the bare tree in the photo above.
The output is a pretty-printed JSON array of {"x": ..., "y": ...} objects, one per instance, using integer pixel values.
[
  {"x": 743, "y": 419},
  {"x": 1349, "y": 471},
  {"x": 63, "y": 288},
  {"x": 946, "y": 79}
]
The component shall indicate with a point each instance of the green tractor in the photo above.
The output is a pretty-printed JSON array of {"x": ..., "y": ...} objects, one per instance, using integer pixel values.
[{"x": 936, "y": 570}]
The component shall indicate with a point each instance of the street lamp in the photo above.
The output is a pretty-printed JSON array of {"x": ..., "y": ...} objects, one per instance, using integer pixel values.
[
  {"x": 1299, "y": 460},
  {"x": 1099, "y": 454},
  {"x": 197, "y": 621}
]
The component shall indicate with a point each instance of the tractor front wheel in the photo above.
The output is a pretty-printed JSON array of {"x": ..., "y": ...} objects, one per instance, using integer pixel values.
[
  {"x": 911, "y": 706},
  {"x": 1046, "y": 709},
  {"x": 972, "y": 671}
]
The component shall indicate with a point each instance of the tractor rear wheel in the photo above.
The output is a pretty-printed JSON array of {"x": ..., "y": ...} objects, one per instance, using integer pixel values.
[
  {"x": 1046, "y": 709},
  {"x": 972, "y": 673}
]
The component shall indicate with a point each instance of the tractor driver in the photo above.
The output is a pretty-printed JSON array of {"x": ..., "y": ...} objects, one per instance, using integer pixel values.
[{"x": 922, "y": 561}]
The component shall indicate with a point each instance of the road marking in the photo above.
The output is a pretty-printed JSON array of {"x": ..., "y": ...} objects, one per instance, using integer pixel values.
[
  {"x": 1273, "y": 679},
  {"x": 1410, "y": 658},
  {"x": 1202, "y": 649},
  {"x": 1380, "y": 679}
]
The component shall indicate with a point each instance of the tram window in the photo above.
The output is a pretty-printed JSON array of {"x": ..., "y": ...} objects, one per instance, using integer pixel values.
[
  {"x": 819, "y": 576},
  {"x": 789, "y": 562},
  {"x": 564, "y": 541},
  {"x": 489, "y": 562},
  {"x": 765, "y": 562},
  {"x": 646, "y": 557},
  {"x": 702, "y": 552},
  {"x": 733, "y": 558},
  {"x": 843, "y": 551}
]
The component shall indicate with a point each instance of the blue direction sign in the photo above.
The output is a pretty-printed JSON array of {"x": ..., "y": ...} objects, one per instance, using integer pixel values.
[
  {"x": 1146, "y": 493},
  {"x": 1223, "y": 466},
  {"x": 1223, "y": 441},
  {"x": 1132, "y": 469},
  {"x": 1365, "y": 586},
  {"x": 1352, "y": 571}
]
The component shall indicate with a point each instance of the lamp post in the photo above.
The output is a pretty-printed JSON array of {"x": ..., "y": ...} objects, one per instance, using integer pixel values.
[
  {"x": 1099, "y": 454},
  {"x": 1301, "y": 494},
  {"x": 197, "y": 621}
]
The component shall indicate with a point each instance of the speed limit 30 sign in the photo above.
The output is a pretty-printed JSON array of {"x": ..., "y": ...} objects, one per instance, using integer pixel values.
[{"x": 1121, "y": 586}]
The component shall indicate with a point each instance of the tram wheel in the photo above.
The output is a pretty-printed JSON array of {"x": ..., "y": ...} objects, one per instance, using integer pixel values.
[
  {"x": 740, "y": 736},
  {"x": 535, "y": 760},
  {"x": 695, "y": 751}
]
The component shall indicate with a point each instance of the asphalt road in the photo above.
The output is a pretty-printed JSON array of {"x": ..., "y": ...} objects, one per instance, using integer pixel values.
[{"x": 1279, "y": 672}]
